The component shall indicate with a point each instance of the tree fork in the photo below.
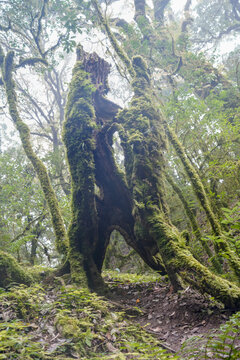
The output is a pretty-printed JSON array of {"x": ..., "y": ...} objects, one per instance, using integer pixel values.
[
  {"x": 142, "y": 124},
  {"x": 197, "y": 185},
  {"x": 115, "y": 207},
  {"x": 222, "y": 245}
]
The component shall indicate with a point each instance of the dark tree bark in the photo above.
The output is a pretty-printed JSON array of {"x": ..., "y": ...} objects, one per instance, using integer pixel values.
[
  {"x": 88, "y": 136},
  {"x": 132, "y": 203}
]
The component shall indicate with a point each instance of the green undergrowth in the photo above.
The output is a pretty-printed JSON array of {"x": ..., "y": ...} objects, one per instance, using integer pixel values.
[
  {"x": 39, "y": 272},
  {"x": 15, "y": 343},
  {"x": 66, "y": 322},
  {"x": 221, "y": 344},
  {"x": 46, "y": 322}
]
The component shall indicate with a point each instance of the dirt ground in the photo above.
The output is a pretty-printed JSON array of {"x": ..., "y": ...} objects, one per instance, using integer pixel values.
[{"x": 172, "y": 317}]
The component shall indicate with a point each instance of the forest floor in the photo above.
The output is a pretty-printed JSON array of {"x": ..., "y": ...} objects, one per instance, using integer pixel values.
[
  {"x": 142, "y": 318},
  {"x": 172, "y": 317}
]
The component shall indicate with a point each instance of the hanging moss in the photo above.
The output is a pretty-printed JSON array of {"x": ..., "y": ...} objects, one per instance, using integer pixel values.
[
  {"x": 12, "y": 272},
  {"x": 24, "y": 132}
]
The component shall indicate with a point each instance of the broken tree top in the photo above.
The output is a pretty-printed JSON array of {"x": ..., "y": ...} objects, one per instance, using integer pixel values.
[{"x": 97, "y": 67}]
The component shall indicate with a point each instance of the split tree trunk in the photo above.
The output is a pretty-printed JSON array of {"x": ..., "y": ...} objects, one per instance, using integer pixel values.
[
  {"x": 88, "y": 132},
  {"x": 133, "y": 203}
]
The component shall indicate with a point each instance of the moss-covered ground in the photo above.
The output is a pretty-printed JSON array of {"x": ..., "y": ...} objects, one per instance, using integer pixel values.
[
  {"x": 142, "y": 319},
  {"x": 60, "y": 321}
]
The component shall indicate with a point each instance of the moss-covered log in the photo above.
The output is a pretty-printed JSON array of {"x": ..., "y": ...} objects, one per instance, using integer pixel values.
[{"x": 11, "y": 272}]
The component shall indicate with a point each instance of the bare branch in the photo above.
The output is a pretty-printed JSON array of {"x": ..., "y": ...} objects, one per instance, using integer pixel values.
[
  {"x": 31, "y": 62},
  {"x": 42, "y": 135},
  {"x": 40, "y": 18},
  {"x": 34, "y": 102},
  {"x": 236, "y": 9},
  {"x": 27, "y": 227},
  {"x": 54, "y": 47}
]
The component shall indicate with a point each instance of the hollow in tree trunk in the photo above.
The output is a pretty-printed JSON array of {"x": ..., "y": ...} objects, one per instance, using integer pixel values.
[{"x": 132, "y": 202}]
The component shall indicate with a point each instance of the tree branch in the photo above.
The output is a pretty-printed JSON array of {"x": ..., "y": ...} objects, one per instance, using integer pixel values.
[
  {"x": 27, "y": 227},
  {"x": 122, "y": 55},
  {"x": 40, "y": 18},
  {"x": 31, "y": 62}
]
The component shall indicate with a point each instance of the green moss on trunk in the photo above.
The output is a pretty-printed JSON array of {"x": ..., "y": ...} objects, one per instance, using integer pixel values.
[
  {"x": 197, "y": 233},
  {"x": 145, "y": 136},
  {"x": 221, "y": 245},
  {"x": 79, "y": 140},
  {"x": 195, "y": 180},
  {"x": 24, "y": 132},
  {"x": 12, "y": 272},
  {"x": 122, "y": 55},
  {"x": 180, "y": 260}
]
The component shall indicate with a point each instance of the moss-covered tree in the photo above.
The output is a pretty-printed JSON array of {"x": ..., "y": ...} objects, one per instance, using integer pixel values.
[
  {"x": 104, "y": 198},
  {"x": 132, "y": 203}
]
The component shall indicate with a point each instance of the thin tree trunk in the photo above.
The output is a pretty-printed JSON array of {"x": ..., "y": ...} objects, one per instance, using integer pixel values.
[
  {"x": 221, "y": 245},
  {"x": 6, "y": 63},
  {"x": 196, "y": 231}
]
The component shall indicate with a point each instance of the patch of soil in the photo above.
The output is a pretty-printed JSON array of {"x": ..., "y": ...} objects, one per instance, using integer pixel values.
[{"x": 172, "y": 317}]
